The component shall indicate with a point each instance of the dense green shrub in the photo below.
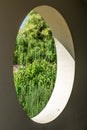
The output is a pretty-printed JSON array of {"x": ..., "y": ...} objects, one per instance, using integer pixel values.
[
  {"x": 34, "y": 84},
  {"x": 35, "y": 57}
]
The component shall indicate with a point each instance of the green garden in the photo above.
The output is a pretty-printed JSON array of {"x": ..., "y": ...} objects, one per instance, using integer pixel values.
[{"x": 34, "y": 64}]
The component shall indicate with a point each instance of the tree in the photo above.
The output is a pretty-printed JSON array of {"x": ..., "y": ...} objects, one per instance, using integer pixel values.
[{"x": 34, "y": 34}]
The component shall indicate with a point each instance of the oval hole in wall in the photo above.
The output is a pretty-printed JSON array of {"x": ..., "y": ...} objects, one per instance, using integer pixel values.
[{"x": 44, "y": 64}]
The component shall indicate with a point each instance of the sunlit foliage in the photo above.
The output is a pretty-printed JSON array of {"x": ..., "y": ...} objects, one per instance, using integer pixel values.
[{"x": 35, "y": 60}]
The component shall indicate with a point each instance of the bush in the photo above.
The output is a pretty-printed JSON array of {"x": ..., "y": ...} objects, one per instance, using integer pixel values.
[{"x": 34, "y": 84}]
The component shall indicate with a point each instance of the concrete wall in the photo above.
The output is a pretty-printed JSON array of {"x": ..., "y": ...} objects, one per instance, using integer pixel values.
[{"x": 12, "y": 13}]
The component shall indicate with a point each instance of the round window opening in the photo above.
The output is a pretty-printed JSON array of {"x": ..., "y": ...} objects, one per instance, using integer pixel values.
[{"x": 43, "y": 64}]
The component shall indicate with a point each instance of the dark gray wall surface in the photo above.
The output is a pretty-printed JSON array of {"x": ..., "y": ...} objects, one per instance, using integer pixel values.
[{"x": 74, "y": 116}]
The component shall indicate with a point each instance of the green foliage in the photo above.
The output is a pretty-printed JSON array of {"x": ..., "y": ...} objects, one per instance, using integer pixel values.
[
  {"x": 34, "y": 84},
  {"x": 35, "y": 56},
  {"x": 34, "y": 36}
]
